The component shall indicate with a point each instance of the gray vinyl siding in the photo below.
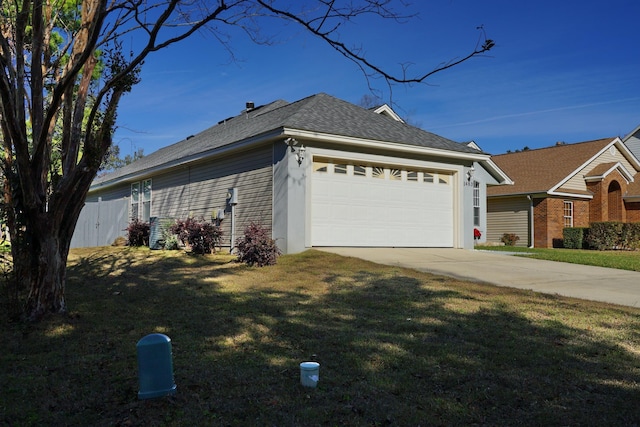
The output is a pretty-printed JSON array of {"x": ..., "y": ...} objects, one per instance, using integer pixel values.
[
  {"x": 508, "y": 215},
  {"x": 196, "y": 190},
  {"x": 633, "y": 144},
  {"x": 200, "y": 190}
]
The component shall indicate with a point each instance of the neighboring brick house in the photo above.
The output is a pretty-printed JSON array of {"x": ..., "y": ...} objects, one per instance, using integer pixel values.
[{"x": 562, "y": 186}]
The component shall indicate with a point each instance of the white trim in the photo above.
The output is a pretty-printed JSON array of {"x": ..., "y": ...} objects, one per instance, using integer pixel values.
[
  {"x": 391, "y": 146},
  {"x": 490, "y": 166},
  {"x": 623, "y": 171},
  {"x": 573, "y": 195},
  {"x": 384, "y": 109},
  {"x": 473, "y": 145},
  {"x": 379, "y": 159},
  {"x": 633, "y": 132},
  {"x": 621, "y": 148}
]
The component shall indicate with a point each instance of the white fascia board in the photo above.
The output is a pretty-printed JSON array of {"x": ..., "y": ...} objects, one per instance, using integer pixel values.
[
  {"x": 391, "y": 146},
  {"x": 535, "y": 194},
  {"x": 226, "y": 149},
  {"x": 492, "y": 167},
  {"x": 631, "y": 133},
  {"x": 385, "y": 109},
  {"x": 473, "y": 144},
  {"x": 623, "y": 171},
  {"x": 572, "y": 195},
  {"x": 621, "y": 147}
]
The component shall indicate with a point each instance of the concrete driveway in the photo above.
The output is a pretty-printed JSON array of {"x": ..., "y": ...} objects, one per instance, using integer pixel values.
[{"x": 573, "y": 280}]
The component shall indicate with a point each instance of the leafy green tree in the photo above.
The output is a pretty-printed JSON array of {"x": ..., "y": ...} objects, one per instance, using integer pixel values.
[
  {"x": 114, "y": 161},
  {"x": 63, "y": 71}
]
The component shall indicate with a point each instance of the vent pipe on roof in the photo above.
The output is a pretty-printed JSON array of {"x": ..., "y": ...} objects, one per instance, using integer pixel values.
[{"x": 250, "y": 106}]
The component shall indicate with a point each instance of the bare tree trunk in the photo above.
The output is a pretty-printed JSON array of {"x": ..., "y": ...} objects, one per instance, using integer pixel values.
[
  {"x": 46, "y": 293},
  {"x": 45, "y": 266}
]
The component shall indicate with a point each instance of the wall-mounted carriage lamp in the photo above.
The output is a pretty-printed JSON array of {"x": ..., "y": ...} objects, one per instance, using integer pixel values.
[
  {"x": 470, "y": 173},
  {"x": 291, "y": 142}
]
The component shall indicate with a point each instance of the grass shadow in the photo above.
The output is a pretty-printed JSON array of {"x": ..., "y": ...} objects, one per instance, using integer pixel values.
[{"x": 396, "y": 347}]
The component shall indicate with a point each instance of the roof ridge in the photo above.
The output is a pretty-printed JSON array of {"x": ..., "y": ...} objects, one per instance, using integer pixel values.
[{"x": 558, "y": 145}]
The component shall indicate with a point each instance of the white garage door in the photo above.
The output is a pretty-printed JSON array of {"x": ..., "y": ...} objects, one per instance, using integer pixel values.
[{"x": 380, "y": 206}]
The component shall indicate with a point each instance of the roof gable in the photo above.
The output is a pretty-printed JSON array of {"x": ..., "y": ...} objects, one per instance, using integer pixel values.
[
  {"x": 546, "y": 170},
  {"x": 385, "y": 110},
  {"x": 604, "y": 169}
]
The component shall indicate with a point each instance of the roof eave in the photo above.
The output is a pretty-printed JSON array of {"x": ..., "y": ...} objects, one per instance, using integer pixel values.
[
  {"x": 615, "y": 141},
  {"x": 385, "y": 145},
  {"x": 572, "y": 195},
  {"x": 496, "y": 172},
  {"x": 218, "y": 151}
]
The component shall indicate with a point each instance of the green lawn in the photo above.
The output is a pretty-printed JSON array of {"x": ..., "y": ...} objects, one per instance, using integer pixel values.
[
  {"x": 396, "y": 347},
  {"x": 624, "y": 260}
]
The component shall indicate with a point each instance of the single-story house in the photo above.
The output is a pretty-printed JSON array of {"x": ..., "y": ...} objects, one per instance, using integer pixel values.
[
  {"x": 567, "y": 185},
  {"x": 317, "y": 172}
]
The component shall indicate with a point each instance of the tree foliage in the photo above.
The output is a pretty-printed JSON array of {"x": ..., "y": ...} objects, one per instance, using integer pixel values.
[{"x": 63, "y": 71}]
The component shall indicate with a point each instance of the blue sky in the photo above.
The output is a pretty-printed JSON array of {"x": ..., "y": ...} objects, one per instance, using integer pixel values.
[{"x": 561, "y": 71}]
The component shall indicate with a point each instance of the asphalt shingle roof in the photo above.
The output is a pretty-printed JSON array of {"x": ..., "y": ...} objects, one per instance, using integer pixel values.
[
  {"x": 539, "y": 170},
  {"x": 319, "y": 113}
]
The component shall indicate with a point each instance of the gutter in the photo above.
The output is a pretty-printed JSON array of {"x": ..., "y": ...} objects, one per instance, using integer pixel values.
[
  {"x": 531, "y": 221},
  {"x": 218, "y": 151}
]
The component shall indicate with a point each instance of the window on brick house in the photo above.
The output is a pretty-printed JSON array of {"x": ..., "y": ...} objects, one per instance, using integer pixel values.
[{"x": 568, "y": 214}]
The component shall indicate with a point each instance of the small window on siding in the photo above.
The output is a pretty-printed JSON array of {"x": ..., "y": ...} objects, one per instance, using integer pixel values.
[
  {"x": 443, "y": 179},
  {"x": 395, "y": 174},
  {"x": 341, "y": 169},
  {"x": 146, "y": 200},
  {"x": 428, "y": 177},
  {"x": 141, "y": 200},
  {"x": 568, "y": 214},
  {"x": 135, "y": 199},
  {"x": 412, "y": 176},
  {"x": 476, "y": 203},
  {"x": 359, "y": 171}
]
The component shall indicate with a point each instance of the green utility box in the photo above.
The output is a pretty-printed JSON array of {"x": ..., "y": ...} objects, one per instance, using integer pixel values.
[{"x": 155, "y": 367}]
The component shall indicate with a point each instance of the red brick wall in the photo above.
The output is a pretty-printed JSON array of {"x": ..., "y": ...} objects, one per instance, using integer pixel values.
[
  {"x": 581, "y": 215},
  {"x": 549, "y": 220},
  {"x": 595, "y": 206},
  {"x": 599, "y": 210},
  {"x": 549, "y": 212},
  {"x": 633, "y": 211}
]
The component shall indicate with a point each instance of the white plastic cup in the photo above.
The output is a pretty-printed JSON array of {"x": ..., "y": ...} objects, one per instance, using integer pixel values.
[{"x": 309, "y": 374}]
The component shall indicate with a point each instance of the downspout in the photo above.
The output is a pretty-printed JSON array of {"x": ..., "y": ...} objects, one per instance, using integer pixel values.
[{"x": 531, "y": 221}]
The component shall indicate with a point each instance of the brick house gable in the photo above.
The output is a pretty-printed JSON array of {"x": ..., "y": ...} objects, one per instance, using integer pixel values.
[{"x": 568, "y": 184}]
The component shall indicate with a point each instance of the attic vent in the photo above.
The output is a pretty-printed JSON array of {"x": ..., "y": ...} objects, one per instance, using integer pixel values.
[
  {"x": 250, "y": 106},
  {"x": 189, "y": 137}
]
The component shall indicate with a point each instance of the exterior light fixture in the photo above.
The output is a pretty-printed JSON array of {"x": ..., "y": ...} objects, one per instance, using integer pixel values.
[
  {"x": 291, "y": 142},
  {"x": 470, "y": 173}
]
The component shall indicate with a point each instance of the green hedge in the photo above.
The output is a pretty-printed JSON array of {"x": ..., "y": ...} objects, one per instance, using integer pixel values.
[
  {"x": 603, "y": 236},
  {"x": 575, "y": 237}
]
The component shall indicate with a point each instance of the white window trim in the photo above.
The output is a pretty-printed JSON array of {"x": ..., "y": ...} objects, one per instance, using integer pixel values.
[{"x": 566, "y": 217}]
